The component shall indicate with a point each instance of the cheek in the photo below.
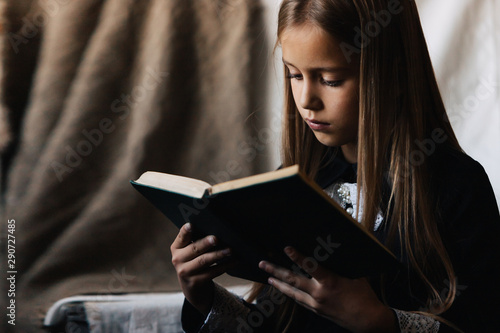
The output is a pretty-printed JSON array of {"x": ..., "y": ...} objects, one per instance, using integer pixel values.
[
  {"x": 350, "y": 106},
  {"x": 354, "y": 108},
  {"x": 296, "y": 94}
]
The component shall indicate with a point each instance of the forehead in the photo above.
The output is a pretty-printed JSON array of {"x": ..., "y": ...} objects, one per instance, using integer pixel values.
[{"x": 308, "y": 46}]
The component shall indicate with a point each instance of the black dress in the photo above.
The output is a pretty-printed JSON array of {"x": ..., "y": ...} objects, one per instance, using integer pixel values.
[{"x": 469, "y": 224}]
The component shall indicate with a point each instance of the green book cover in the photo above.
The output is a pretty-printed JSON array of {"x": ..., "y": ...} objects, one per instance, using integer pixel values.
[{"x": 258, "y": 216}]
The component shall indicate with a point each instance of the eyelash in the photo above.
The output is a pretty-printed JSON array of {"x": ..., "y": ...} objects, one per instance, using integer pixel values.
[
  {"x": 294, "y": 76},
  {"x": 323, "y": 81},
  {"x": 331, "y": 83}
]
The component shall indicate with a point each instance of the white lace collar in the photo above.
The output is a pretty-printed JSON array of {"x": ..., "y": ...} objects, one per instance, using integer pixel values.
[{"x": 345, "y": 194}]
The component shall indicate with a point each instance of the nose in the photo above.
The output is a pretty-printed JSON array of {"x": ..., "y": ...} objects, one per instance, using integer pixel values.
[{"x": 309, "y": 98}]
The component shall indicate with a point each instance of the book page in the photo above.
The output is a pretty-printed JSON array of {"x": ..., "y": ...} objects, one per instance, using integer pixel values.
[
  {"x": 183, "y": 185},
  {"x": 252, "y": 180}
]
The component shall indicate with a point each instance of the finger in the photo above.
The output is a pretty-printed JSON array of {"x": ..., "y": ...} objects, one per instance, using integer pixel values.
[
  {"x": 219, "y": 269},
  {"x": 298, "y": 295},
  {"x": 293, "y": 279},
  {"x": 308, "y": 264},
  {"x": 206, "y": 261},
  {"x": 193, "y": 250},
  {"x": 199, "y": 247},
  {"x": 184, "y": 237}
]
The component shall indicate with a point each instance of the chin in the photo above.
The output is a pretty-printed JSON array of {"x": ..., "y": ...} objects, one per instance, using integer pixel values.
[{"x": 329, "y": 142}]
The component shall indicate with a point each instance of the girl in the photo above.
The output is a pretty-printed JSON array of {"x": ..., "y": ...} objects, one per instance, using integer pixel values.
[{"x": 364, "y": 117}]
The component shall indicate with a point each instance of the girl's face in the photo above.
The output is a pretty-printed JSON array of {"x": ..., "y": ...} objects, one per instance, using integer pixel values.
[{"x": 325, "y": 86}]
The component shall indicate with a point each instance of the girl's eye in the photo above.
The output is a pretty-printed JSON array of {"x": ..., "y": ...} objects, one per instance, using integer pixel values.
[
  {"x": 295, "y": 76},
  {"x": 335, "y": 83}
]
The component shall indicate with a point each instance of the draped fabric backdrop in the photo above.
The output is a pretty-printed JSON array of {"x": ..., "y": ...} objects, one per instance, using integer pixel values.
[
  {"x": 464, "y": 42},
  {"x": 93, "y": 93}
]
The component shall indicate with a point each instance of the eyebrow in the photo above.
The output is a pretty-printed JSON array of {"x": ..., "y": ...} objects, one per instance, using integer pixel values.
[{"x": 320, "y": 69}]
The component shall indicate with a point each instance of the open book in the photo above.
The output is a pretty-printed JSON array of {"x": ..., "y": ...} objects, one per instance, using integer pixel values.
[{"x": 258, "y": 216}]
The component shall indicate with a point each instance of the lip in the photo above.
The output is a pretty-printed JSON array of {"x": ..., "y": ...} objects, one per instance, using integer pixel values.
[{"x": 316, "y": 125}]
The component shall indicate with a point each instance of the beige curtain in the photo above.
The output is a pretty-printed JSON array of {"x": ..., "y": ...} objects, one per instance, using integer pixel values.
[
  {"x": 93, "y": 93},
  {"x": 464, "y": 43}
]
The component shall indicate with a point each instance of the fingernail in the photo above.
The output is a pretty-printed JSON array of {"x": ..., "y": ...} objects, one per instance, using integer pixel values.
[
  {"x": 211, "y": 239},
  {"x": 188, "y": 227},
  {"x": 226, "y": 252},
  {"x": 270, "y": 281},
  {"x": 289, "y": 250}
]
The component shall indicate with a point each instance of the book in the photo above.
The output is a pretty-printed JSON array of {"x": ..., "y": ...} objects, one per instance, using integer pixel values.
[{"x": 258, "y": 216}]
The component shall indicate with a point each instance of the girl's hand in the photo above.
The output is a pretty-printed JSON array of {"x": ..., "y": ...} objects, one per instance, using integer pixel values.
[
  {"x": 351, "y": 303},
  {"x": 196, "y": 264}
]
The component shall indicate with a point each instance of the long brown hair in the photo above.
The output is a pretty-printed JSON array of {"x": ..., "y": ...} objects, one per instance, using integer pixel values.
[{"x": 399, "y": 107}]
